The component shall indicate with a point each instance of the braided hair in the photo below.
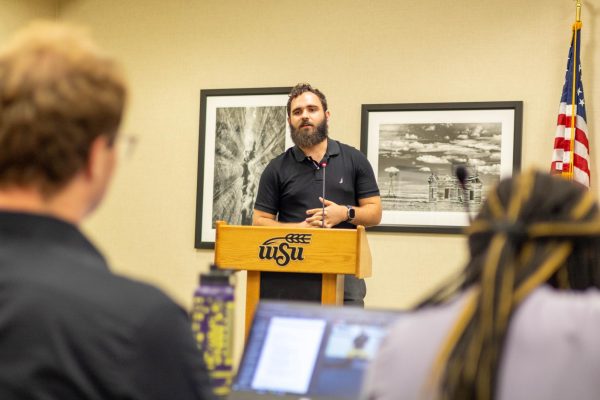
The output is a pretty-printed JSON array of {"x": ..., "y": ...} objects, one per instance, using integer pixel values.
[{"x": 533, "y": 229}]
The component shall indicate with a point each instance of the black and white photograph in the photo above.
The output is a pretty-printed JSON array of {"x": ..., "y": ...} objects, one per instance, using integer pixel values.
[
  {"x": 435, "y": 162},
  {"x": 241, "y": 130}
]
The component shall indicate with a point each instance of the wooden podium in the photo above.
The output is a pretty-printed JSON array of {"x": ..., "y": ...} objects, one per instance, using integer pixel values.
[{"x": 331, "y": 253}]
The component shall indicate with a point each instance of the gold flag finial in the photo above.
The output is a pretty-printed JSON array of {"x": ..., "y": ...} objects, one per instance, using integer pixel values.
[{"x": 578, "y": 11}]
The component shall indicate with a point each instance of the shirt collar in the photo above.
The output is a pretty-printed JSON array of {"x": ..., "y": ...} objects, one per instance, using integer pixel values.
[
  {"x": 46, "y": 229},
  {"x": 333, "y": 149}
]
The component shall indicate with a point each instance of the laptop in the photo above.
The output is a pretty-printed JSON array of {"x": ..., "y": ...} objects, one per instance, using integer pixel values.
[{"x": 306, "y": 351}]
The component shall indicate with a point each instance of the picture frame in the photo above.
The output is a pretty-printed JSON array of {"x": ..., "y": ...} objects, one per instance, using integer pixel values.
[
  {"x": 416, "y": 148},
  {"x": 240, "y": 131}
]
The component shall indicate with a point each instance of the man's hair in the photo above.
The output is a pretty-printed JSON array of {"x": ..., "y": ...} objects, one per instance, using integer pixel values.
[
  {"x": 534, "y": 229},
  {"x": 303, "y": 88},
  {"x": 58, "y": 93}
]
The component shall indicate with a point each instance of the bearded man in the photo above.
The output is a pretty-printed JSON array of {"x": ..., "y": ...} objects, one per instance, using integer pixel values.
[{"x": 291, "y": 187}]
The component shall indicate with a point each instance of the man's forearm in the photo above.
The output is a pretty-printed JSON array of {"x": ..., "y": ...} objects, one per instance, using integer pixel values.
[
  {"x": 367, "y": 215},
  {"x": 264, "y": 221}
]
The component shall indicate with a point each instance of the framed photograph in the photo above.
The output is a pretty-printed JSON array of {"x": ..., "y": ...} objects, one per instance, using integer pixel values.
[
  {"x": 241, "y": 130},
  {"x": 415, "y": 150}
]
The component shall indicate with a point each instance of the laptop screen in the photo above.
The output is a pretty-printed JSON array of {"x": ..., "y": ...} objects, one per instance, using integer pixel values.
[{"x": 308, "y": 351}]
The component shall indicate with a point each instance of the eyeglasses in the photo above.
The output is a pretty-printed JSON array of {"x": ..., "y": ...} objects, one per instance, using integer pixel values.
[{"x": 126, "y": 145}]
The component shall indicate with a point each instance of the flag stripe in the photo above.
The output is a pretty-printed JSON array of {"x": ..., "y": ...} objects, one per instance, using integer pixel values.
[
  {"x": 566, "y": 122},
  {"x": 581, "y": 163},
  {"x": 565, "y": 144}
]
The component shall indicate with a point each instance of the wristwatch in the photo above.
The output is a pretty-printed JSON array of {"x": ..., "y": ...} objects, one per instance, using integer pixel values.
[{"x": 351, "y": 213}]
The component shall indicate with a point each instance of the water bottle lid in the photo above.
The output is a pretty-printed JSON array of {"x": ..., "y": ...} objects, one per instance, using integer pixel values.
[{"x": 215, "y": 276}]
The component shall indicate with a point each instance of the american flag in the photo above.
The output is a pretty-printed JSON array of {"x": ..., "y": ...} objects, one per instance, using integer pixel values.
[{"x": 571, "y": 157}]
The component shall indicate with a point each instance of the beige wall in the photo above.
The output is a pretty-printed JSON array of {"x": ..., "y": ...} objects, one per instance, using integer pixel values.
[
  {"x": 16, "y": 13},
  {"x": 357, "y": 52}
]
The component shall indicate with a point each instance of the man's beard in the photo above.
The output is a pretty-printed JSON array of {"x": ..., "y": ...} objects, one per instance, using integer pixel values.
[{"x": 304, "y": 139}]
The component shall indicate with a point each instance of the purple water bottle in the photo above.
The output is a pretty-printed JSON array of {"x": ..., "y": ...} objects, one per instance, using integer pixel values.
[{"x": 212, "y": 324}]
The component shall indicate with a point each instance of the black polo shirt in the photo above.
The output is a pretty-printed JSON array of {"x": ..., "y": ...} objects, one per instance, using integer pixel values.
[
  {"x": 292, "y": 183},
  {"x": 71, "y": 330}
]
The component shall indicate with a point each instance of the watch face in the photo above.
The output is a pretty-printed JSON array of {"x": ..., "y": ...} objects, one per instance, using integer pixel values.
[{"x": 351, "y": 213}]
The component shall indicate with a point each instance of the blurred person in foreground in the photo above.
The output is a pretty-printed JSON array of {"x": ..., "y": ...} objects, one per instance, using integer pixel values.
[
  {"x": 522, "y": 320},
  {"x": 69, "y": 328}
]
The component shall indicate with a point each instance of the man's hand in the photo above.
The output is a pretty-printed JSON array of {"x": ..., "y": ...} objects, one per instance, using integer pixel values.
[
  {"x": 367, "y": 213},
  {"x": 334, "y": 214}
]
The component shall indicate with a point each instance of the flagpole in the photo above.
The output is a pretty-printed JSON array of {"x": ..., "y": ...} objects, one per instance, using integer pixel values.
[
  {"x": 571, "y": 172},
  {"x": 576, "y": 26}
]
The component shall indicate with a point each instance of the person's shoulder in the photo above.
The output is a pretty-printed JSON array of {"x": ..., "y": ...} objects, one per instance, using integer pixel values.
[
  {"x": 143, "y": 306},
  {"x": 560, "y": 314},
  {"x": 571, "y": 302},
  {"x": 114, "y": 297},
  {"x": 425, "y": 325},
  {"x": 87, "y": 300},
  {"x": 350, "y": 151},
  {"x": 141, "y": 296},
  {"x": 346, "y": 147},
  {"x": 280, "y": 159}
]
